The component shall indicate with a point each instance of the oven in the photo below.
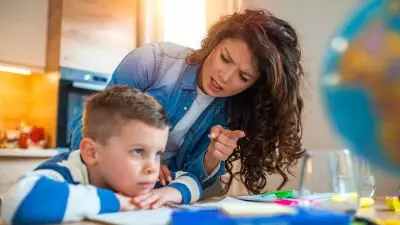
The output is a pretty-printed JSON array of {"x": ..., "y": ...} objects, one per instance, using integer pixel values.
[{"x": 74, "y": 87}]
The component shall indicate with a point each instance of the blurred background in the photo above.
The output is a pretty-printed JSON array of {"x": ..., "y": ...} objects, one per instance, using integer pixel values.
[{"x": 54, "y": 53}]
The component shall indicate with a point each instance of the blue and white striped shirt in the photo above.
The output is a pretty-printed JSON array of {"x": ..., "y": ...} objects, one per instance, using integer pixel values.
[{"x": 59, "y": 191}]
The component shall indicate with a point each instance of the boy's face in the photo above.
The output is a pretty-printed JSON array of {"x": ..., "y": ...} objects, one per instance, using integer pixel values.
[{"x": 130, "y": 162}]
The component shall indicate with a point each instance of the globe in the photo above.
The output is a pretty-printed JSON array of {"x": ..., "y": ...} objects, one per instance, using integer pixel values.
[{"x": 360, "y": 83}]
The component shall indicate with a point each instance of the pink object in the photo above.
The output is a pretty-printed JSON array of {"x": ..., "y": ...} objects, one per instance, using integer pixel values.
[
  {"x": 289, "y": 202},
  {"x": 293, "y": 202}
]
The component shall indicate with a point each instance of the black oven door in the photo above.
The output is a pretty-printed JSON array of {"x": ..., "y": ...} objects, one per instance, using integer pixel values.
[{"x": 71, "y": 99}]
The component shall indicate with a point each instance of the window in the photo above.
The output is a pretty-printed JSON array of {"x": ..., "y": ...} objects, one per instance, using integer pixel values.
[{"x": 185, "y": 22}]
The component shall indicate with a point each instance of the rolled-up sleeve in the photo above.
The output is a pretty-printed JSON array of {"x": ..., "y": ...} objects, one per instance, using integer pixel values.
[{"x": 196, "y": 167}]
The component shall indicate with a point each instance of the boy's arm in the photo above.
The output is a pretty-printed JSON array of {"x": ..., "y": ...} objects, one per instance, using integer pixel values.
[
  {"x": 43, "y": 196},
  {"x": 195, "y": 164},
  {"x": 188, "y": 185},
  {"x": 184, "y": 189}
]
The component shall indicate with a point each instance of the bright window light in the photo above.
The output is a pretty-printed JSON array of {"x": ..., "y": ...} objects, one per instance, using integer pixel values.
[{"x": 185, "y": 22}]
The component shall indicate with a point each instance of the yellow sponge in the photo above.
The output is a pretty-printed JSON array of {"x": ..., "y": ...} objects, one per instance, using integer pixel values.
[
  {"x": 366, "y": 202},
  {"x": 393, "y": 203}
]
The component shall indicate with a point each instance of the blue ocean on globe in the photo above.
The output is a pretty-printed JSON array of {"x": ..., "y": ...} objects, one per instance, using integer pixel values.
[{"x": 360, "y": 83}]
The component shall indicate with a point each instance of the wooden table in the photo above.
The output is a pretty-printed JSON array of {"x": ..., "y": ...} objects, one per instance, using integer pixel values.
[{"x": 378, "y": 211}]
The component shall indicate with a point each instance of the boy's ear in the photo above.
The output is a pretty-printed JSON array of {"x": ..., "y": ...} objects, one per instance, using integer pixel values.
[{"x": 88, "y": 151}]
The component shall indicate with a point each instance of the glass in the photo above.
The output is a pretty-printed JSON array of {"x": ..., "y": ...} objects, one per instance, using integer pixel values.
[
  {"x": 365, "y": 178},
  {"x": 328, "y": 179}
]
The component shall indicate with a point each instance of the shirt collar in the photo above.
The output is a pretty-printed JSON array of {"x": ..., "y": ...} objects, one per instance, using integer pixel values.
[{"x": 190, "y": 79}]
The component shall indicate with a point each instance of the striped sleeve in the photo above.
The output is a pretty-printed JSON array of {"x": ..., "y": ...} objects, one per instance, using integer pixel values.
[
  {"x": 188, "y": 185},
  {"x": 43, "y": 197}
]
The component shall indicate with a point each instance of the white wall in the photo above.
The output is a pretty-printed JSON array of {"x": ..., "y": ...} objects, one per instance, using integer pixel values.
[{"x": 315, "y": 21}]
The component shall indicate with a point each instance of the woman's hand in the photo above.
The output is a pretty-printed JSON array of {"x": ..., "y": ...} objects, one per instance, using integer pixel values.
[
  {"x": 165, "y": 175},
  {"x": 223, "y": 142}
]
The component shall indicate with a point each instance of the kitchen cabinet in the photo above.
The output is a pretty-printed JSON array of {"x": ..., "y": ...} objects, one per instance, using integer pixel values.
[
  {"x": 95, "y": 35},
  {"x": 23, "y": 32}
]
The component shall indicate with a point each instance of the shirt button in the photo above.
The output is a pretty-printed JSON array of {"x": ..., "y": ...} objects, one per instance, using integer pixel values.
[{"x": 185, "y": 108}]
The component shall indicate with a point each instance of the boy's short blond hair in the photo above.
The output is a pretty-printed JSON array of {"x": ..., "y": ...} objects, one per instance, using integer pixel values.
[{"x": 106, "y": 111}]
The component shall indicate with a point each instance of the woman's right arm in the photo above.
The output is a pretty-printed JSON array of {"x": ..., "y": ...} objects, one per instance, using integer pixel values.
[{"x": 136, "y": 70}]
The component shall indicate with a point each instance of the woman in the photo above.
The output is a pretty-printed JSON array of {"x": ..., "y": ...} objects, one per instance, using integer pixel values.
[{"x": 235, "y": 98}]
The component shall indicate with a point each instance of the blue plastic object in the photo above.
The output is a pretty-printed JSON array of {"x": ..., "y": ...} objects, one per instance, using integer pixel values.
[{"x": 303, "y": 217}]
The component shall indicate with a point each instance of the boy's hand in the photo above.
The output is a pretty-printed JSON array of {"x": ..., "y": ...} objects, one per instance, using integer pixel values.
[
  {"x": 165, "y": 175},
  {"x": 157, "y": 198},
  {"x": 126, "y": 203}
]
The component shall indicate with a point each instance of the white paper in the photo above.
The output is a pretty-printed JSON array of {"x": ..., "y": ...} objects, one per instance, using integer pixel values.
[
  {"x": 219, "y": 204},
  {"x": 160, "y": 216},
  {"x": 257, "y": 198},
  {"x": 235, "y": 206},
  {"x": 163, "y": 216}
]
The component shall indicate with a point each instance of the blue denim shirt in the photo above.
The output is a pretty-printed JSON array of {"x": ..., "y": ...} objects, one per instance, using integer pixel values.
[{"x": 160, "y": 70}]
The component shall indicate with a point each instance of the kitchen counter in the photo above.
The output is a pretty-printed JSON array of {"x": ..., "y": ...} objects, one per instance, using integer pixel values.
[
  {"x": 30, "y": 153},
  {"x": 16, "y": 162}
]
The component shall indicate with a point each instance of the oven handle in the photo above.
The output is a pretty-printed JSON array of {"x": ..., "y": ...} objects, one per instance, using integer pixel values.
[{"x": 86, "y": 86}]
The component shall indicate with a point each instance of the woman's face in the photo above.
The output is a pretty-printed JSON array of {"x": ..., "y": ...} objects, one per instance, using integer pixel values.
[{"x": 228, "y": 70}]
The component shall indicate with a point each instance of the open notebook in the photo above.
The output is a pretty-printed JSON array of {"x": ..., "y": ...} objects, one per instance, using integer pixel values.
[{"x": 163, "y": 216}]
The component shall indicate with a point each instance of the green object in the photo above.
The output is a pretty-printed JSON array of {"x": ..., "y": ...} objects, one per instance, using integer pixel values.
[{"x": 279, "y": 194}]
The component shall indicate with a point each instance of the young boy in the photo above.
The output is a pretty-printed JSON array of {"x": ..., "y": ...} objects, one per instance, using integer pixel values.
[{"x": 116, "y": 168}]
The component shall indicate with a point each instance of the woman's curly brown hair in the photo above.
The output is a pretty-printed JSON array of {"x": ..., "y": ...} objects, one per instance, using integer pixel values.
[{"x": 269, "y": 112}]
